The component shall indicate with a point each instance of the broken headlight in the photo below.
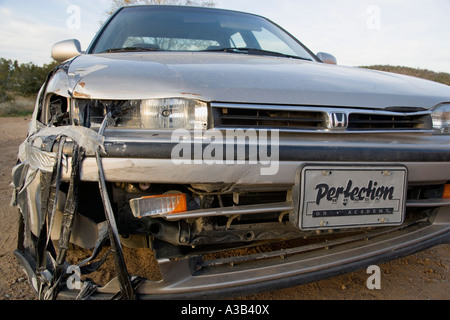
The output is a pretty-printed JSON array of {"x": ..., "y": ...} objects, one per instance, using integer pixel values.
[
  {"x": 441, "y": 120},
  {"x": 143, "y": 114}
]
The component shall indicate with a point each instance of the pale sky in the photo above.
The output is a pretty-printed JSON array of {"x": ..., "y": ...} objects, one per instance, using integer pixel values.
[{"x": 413, "y": 33}]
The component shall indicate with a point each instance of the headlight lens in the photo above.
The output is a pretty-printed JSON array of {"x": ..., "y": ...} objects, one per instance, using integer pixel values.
[
  {"x": 441, "y": 120},
  {"x": 174, "y": 113},
  {"x": 144, "y": 114}
]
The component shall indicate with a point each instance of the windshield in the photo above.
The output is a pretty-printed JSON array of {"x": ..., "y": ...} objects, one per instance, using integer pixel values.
[{"x": 154, "y": 28}]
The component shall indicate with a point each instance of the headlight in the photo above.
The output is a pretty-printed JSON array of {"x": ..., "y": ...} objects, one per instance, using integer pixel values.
[
  {"x": 174, "y": 113},
  {"x": 143, "y": 114},
  {"x": 441, "y": 120}
]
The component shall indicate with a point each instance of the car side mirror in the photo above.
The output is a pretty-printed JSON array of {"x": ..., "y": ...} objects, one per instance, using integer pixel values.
[
  {"x": 63, "y": 50},
  {"x": 326, "y": 58}
]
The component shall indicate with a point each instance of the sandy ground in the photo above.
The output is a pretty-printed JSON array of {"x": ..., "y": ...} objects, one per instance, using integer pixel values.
[{"x": 423, "y": 276}]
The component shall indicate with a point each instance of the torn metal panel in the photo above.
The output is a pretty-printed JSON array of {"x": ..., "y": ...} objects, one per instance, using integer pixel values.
[
  {"x": 50, "y": 285},
  {"x": 85, "y": 232},
  {"x": 71, "y": 204},
  {"x": 36, "y": 158},
  {"x": 36, "y": 180},
  {"x": 41, "y": 169},
  {"x": 84, "y": 137},
  {"x": 48, "y": 195},
  {"x": 56, "y": 82},
  {"x": 59, "y": 84},
  {"x": 33, "y": 160}
]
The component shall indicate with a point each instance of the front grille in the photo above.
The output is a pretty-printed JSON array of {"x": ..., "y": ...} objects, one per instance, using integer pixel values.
[
  {"x": 386, "y": 122},
  {"x": 316, "y": 119},
  {"x": 254, "y": 118}
]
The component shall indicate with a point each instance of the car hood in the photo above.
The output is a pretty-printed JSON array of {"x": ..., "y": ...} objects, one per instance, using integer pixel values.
[{"x": 241, "y": 78}]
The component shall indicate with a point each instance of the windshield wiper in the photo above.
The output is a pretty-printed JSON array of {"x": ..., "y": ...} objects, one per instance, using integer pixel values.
[
  {"x": 256, "y": 51},
  {"x": 131, "y": 49}
]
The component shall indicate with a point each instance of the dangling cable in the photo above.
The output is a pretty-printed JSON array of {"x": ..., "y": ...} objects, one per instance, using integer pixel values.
[{"x": 126, "y": 287}]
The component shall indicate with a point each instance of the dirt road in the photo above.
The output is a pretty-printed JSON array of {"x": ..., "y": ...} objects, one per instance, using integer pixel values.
[{"x": 422, "y": 276}]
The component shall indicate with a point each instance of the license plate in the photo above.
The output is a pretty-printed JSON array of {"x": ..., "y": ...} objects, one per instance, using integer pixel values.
[{"x": 333, "y": 197}]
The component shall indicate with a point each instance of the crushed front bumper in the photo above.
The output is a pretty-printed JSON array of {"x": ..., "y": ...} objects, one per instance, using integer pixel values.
[
  {"x": 201, "y": 276},
  {"x": 196, "y": 278}
]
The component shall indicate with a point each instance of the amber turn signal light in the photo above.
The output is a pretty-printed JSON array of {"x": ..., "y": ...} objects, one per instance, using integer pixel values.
[
  {"x": 446, "y": 194},
  {"x": 158, "y": 205}
]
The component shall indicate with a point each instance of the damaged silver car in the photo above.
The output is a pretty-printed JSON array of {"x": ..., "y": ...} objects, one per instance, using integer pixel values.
[{"x": 239, "y": 160}]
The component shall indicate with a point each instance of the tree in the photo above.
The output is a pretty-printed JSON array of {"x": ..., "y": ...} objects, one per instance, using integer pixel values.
[
  {"x": 116, "y": 4},
  {"x": 6, "y": 70},
  {"x": 27, "y": 78},
  {"x": 24, "y": 79}
]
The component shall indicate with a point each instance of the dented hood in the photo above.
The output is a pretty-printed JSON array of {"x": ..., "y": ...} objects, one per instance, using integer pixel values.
[{"x": 242, "y": 78}]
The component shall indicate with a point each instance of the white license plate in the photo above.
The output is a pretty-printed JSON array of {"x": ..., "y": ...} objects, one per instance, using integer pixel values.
[{"x": 346, "y": 197}]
